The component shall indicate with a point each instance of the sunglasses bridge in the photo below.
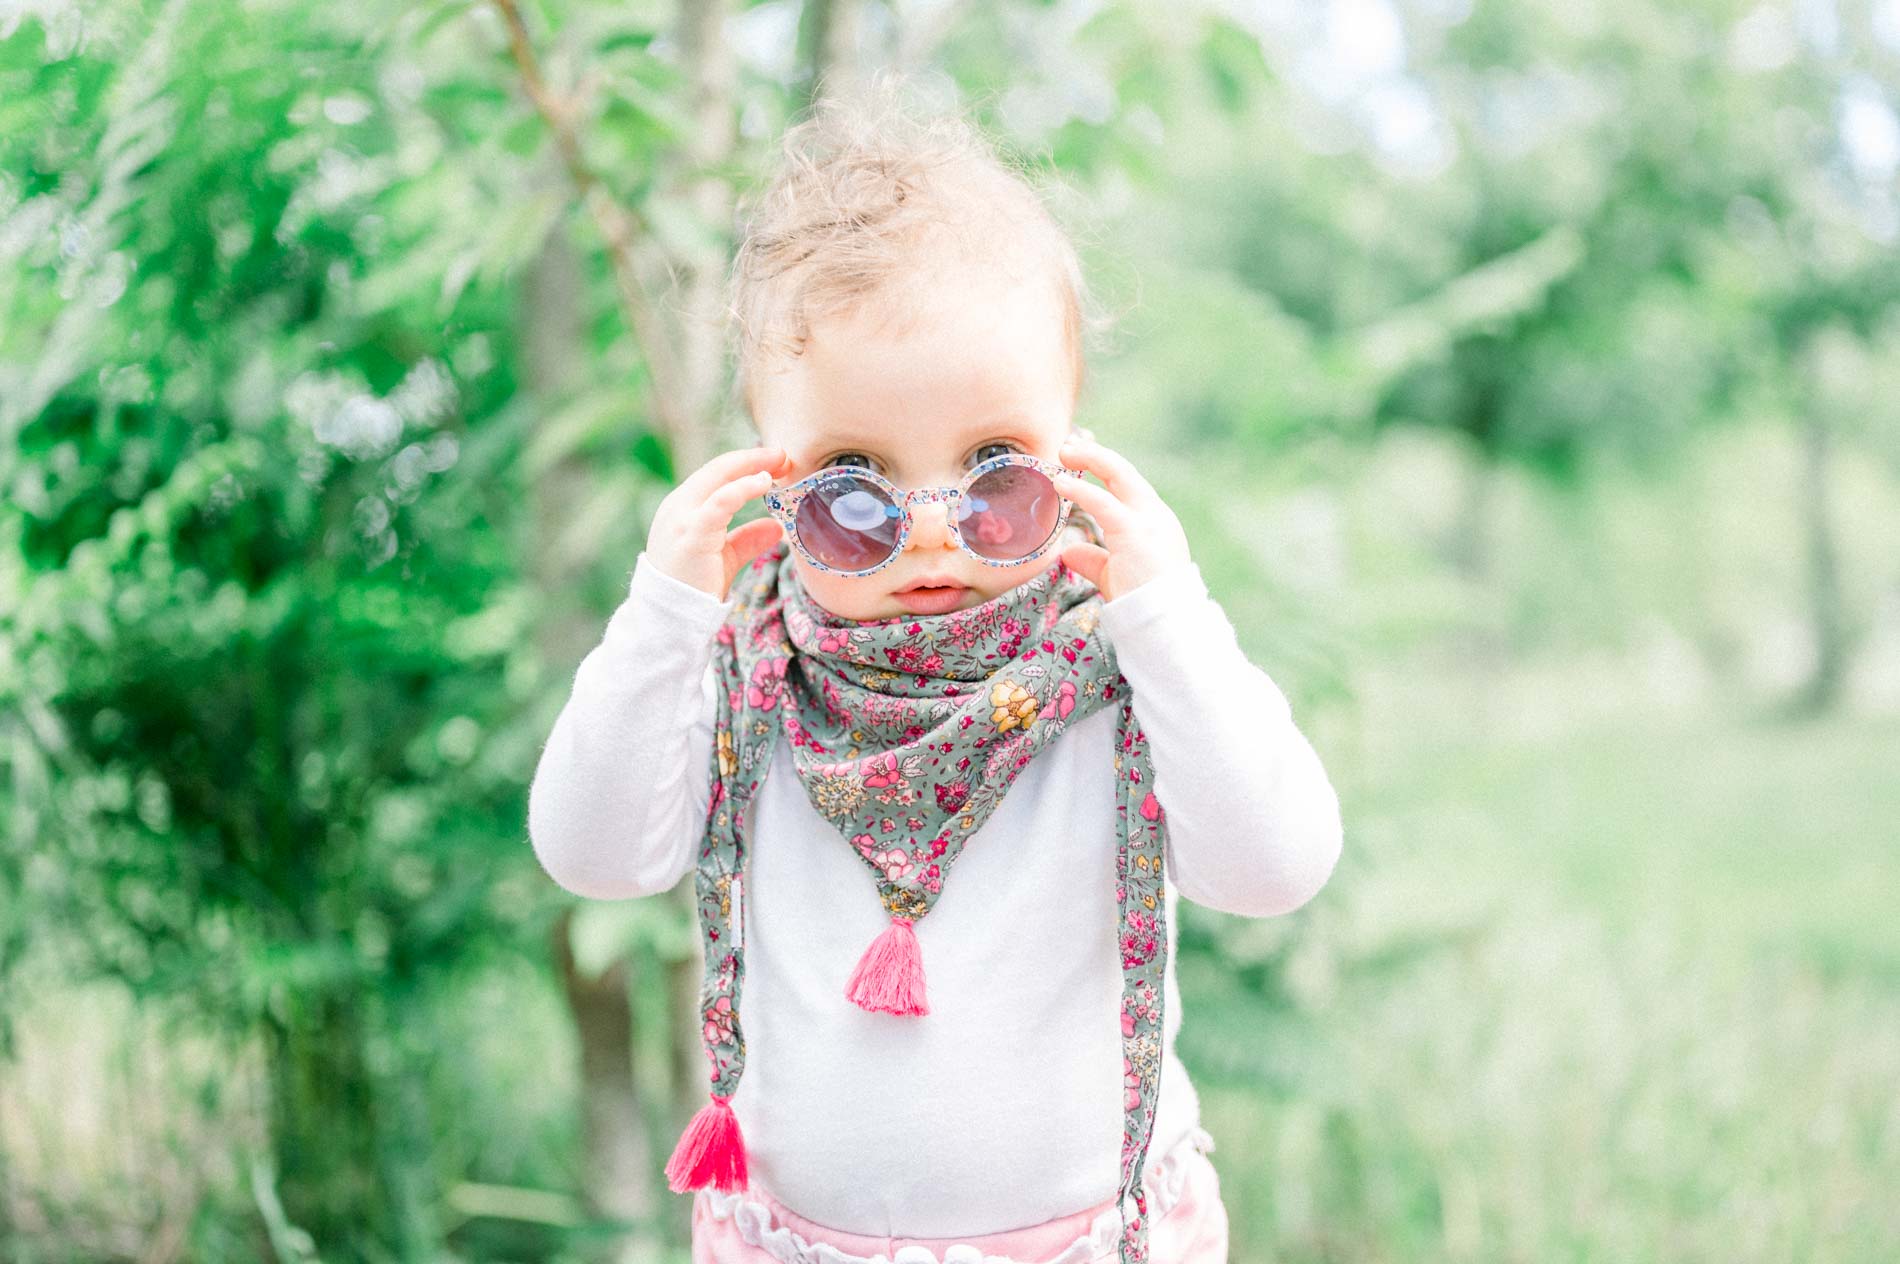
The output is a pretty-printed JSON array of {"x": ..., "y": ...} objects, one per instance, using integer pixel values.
[{"x": 946, "y": 495}]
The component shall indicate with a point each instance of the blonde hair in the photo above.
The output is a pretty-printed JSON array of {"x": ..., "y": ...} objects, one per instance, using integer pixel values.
[{"x": 872, "y": 190}]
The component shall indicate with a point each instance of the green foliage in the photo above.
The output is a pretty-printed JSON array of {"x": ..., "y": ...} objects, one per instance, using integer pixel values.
[
  {"x": 1454, "y": 334},
  {"x": 267, "y": 682}
]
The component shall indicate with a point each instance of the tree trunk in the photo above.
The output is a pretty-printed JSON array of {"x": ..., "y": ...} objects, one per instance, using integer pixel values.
[
  {"x": 1480, "y": 648},
  {"x": 831, "y": 41},
  {"x": 1470, "y": 543},
  {"x": 620, "y": 1163},
  {"x": 711, "y": 77},
  {"x": 326, "y": 1134},
  {"x": 622, "y": 1169},
  {"x": 689, "y": 1073},
  {"x": 617, "y": 1169},
  {"x": 1826, "y": 613}
]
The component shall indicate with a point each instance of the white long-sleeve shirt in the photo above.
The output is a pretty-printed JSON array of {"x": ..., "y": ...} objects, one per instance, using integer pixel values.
[{"x": 1002, "y": 1108}]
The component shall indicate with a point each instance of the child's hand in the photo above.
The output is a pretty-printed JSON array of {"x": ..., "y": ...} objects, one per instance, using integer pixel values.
[
  {"x": 688, "y": 539},
  {"x": 1144, "y": 537}
]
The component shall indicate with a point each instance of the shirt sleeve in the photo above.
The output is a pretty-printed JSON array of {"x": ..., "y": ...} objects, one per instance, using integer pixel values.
[
  {"x": 619, "y": 797},
  {"x": 1253, "y": 820}
]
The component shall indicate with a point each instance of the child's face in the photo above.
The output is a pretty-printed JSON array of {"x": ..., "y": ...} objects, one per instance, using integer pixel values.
[{"x": 985, "y": 370}]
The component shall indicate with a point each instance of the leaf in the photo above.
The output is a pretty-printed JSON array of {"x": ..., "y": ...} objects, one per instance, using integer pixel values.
[
  {"x": 1234, "y": 63},
  {"x": 568, "y": 430},
  {"x": 660, "y": 106},
  {"x": 1499, "y": 289},
  {"x": 603, "y": 932},
  {"x": 651, "y": 454},
  {"x": 521, "y": 232},
  {"x": 682, "y": 233}
]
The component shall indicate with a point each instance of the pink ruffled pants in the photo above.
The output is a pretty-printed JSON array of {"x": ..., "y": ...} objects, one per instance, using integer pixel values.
[{"x": 1191, "y": 1231}]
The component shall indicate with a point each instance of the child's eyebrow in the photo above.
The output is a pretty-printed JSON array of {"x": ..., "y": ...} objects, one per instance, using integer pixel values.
[
  {"x": 840, "y": 441},
  {"x": 1009, "y": 425}
]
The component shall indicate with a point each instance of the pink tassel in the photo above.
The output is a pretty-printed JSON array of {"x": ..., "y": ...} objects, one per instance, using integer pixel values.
[
  {"x": 890, "y": 974},
  {"x": 710, "y": 1151}
]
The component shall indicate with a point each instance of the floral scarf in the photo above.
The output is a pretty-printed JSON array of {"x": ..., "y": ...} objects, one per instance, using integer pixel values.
[{"x": 906, "y": 733}]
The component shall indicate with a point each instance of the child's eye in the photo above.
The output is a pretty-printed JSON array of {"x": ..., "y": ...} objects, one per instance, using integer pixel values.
[
  {"x": 852, "y": 458},
  {"x": 980, "y": 453}
]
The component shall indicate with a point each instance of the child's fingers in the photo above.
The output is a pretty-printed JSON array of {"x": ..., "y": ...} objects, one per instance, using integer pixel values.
[
  {"x": 724, "y": 500},
  {"x": 747, "y": 541},
  {"x": 1110, "y": 466},
  {"x": 698, "y": 487},
  {"x": 1100, "y": 503},
  {"x": 1087, "y": 560}
]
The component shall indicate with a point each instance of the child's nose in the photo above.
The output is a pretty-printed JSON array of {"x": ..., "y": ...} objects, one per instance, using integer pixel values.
[{"x": 930, "y": 526}]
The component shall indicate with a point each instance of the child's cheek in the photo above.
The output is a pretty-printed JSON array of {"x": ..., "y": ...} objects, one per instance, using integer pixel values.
[{"x": 844, "y": 597}]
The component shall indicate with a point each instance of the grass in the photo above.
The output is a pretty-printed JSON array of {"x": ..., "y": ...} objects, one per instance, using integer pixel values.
[{"x": 1597, "y": 980}]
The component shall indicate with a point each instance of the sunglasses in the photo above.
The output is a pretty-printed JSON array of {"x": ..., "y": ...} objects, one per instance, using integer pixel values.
[{"x": 851, "y": 521}]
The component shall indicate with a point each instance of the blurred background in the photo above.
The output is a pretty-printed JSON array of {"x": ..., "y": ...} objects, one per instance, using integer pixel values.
[{"x": 1526, "y": 373}]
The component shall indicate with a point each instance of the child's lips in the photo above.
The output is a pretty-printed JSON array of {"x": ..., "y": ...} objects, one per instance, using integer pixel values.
[{"x": 932, "y": 600}]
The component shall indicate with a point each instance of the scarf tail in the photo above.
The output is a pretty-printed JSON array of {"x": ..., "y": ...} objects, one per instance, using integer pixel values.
[
  {"x": 1141, "y": 891},
  {"x": 1133, "y": 1248}
]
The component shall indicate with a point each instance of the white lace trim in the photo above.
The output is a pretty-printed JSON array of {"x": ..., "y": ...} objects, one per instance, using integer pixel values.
[{"x": 1164, "y": 1181}]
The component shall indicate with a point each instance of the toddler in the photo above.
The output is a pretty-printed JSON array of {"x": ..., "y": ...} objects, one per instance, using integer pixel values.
[{"x": 941, "y": 738}]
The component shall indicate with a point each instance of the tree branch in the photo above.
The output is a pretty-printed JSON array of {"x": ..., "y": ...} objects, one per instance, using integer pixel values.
[{"x": 620, "y": 227}]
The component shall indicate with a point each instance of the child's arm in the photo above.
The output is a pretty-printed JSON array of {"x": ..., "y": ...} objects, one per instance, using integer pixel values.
[
  {"x": 1253, "y": 820},
  {"x": 619, "y": 797}
]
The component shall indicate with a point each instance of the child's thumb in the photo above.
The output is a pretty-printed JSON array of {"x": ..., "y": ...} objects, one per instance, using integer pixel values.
[
  {"x": 744, "y": 544},
  {"x": 1087, "y": 560}
]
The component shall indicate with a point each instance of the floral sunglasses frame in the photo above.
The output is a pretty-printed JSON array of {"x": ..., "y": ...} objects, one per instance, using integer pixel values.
[{"x": 783, "y": 503}]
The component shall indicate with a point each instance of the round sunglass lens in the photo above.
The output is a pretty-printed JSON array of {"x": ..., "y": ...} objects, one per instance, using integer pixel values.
[
  {"x": 848, "y": 523},
  {"x": 1010, "y": 512}
]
